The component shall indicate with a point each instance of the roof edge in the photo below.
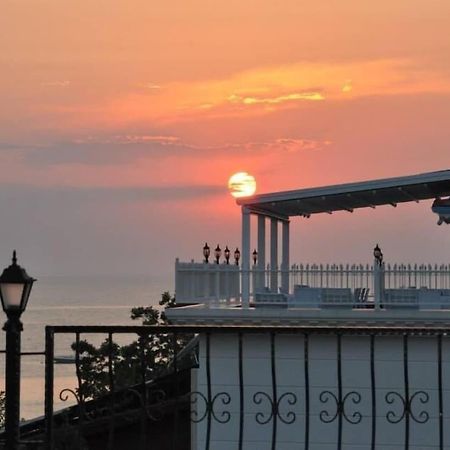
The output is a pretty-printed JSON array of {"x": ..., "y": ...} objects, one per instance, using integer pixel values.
[{"x": 442, "y": 175}]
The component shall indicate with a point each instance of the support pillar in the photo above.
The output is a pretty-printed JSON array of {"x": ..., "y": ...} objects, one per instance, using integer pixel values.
[
  {"x": 261, "y": 252},
  {"x": 274, "y": 255},
  {"x": 245, "y": 267},
  {"x": 285, "y": 258}
]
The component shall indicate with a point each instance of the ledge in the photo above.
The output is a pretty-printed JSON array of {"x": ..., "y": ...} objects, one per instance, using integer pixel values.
[{"x": 226, "y": 315}]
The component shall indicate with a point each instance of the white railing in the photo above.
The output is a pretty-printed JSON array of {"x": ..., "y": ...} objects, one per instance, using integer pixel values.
[
  {"x": 206, "y": 283},
  {"x": 203, "y": 283},
  {"x": 396, "y": 276}
]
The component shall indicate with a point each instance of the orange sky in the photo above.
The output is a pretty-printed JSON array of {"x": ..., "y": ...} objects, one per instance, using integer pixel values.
[{"x": 120, "y": 123}]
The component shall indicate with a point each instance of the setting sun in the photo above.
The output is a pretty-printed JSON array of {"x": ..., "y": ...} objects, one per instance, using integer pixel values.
[{"x": 242, "y": 184}]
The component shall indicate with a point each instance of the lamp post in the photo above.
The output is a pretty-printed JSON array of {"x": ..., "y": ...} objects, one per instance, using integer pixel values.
[
  {"x": 227, "y": 253},
  {"x": 237, "y": 256},
  {"x": 218, "y": 253},
  {"x": 255, "y": 257},
  {"x": 206, "y": 252},
  {"x": 15, "y": 288},
  {"x": 378, "y": 273},
  {"x": 378, "y": 254}
]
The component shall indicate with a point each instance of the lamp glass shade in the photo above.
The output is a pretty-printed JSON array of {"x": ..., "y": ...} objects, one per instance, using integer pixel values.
[
  {"x": 15, "y": 287},
  {"x": 12, "y": 294},
  {"x": 26, "y": 294}
]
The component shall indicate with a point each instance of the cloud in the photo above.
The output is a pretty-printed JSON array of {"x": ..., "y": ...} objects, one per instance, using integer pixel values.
[
  {"x": 264, "y": 90},
  {"x": 293, "y": 145},
  {"x": 7, "y": 146},
  {"x": 150, "y": 86},
  {"x": 258, "y": 91},
  {"x": 348, "y": 86},
  {"x": 57, "y": 83},
  {"x": 135, "y": 138},
  {"x": 129, "y": 139},
  {"x": 276, "y": 100},
  {"x": 278, "y": 146},
  {"x": 129, "y": 148},
  {"x": 94, "y": 150},
  {"x": 77, "y": 195}
]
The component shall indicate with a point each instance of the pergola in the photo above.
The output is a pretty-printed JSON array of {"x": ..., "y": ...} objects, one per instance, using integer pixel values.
[{"x": 281, "y": 206}]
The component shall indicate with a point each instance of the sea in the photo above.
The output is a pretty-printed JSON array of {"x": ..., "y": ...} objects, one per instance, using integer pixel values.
[{"x": 82, "y": 300}]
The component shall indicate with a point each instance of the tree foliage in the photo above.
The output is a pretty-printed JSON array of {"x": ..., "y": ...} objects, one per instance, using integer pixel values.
[{"x": 110, "y": 364}]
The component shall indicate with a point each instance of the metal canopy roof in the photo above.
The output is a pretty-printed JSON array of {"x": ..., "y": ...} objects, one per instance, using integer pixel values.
[{"x": 347, "y": 197}]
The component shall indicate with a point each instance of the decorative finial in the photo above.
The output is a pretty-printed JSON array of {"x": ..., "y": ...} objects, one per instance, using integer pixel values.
[{"x": 14, "y": 258}]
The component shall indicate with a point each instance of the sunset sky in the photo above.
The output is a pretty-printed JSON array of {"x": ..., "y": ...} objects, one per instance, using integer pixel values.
[{"x": 121, "y": 122}]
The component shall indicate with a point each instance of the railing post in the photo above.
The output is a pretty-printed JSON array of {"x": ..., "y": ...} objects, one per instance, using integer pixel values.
[
  {"x": 254, "y": 279},
  {"x": 378, "y": 282},
  {"x": 261, "y": 253}
]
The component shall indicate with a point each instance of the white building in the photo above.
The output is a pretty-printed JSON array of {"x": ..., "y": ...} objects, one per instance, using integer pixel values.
[{"x": 320, "y": 357}]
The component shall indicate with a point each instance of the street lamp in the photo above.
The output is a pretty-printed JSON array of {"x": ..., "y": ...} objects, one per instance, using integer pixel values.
[
  {"x": 255, "y": 257},
  {"x": 217, "y": 253},
  {"x": 237, "y": 256},
  {"x": 378, "y": 254},
  {"x": 227, "y": 254},
  {"x": 15, "y": 288},
  {"x": 206, "y": 252}
]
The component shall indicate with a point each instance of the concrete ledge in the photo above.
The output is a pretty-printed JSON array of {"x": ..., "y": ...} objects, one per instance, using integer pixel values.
[{"x": 201, "y": 314}]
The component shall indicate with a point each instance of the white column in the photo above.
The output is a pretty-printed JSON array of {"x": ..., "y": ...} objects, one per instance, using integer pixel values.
[
  {"x": 245, "y": 265},
  {"x": 274, "y": 255},
  {"x": 261, "y": 252},
  {"x": 285, "y": 258}
]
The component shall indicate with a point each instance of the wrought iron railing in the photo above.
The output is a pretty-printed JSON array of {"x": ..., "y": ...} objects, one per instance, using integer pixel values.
[{"x": 273, "y": 387}]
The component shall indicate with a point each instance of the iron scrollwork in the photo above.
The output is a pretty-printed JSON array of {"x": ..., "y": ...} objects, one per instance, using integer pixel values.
[
  {"x": 65, "y": 393},
  {"x": 287, "y": 418},
  {"x": 64, "y": 396},
  {"x": 224, "y": 416},
  {"x": 407, "y": 407},
  {"x": 327, "y": 417},
  {"x": 150, "y": 403}
]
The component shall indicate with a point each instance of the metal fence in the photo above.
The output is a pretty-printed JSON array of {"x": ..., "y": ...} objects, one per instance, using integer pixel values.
[
  {"x": 162, "y": 409},
  {"x": 353, "y": 276}
]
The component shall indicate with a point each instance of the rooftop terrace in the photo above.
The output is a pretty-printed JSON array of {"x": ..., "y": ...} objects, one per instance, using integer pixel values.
[{"x": 274, "y": 289}]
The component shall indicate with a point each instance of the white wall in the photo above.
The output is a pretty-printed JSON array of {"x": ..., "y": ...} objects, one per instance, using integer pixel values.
[{"x": 323, "y": 376}]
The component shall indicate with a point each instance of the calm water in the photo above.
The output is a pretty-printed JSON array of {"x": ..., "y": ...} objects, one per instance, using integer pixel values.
[{"x": 75, "y": 301}]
